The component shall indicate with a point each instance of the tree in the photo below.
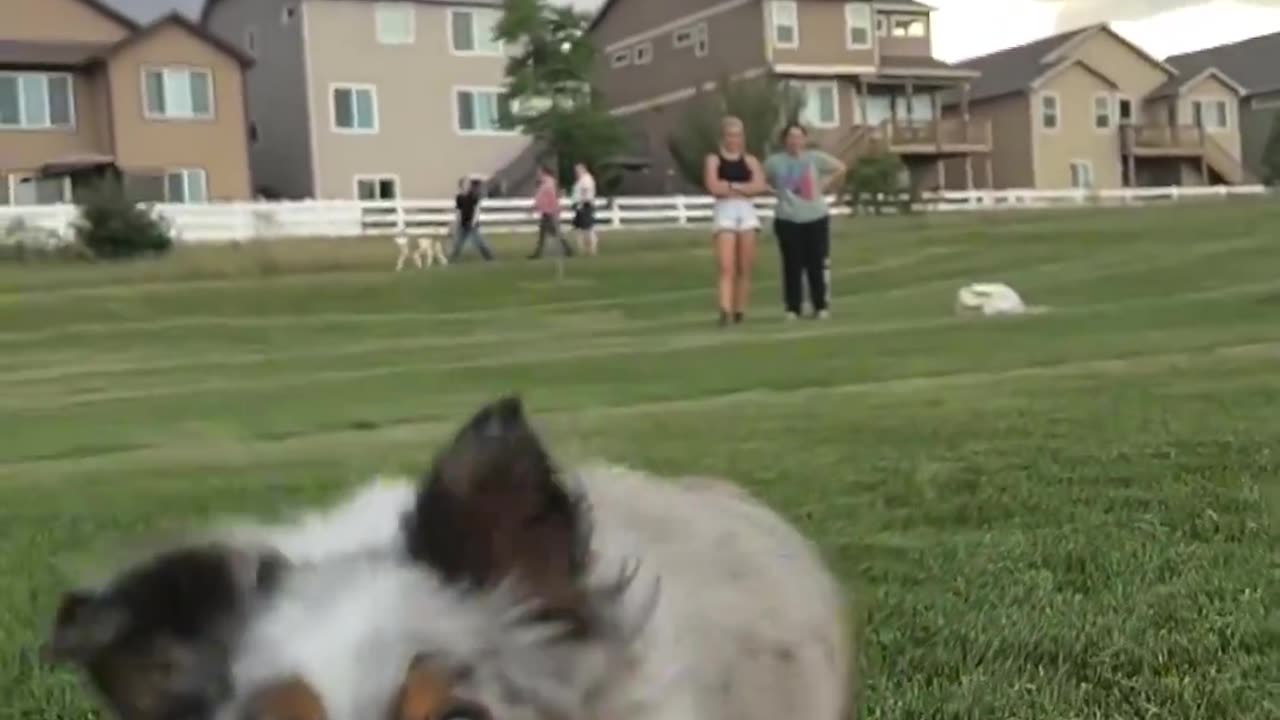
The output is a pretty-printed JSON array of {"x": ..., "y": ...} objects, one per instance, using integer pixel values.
[
  {"x": 763, "y": 104},
  {"x": 549, "y": 85},
  {"x": 877, "y": 179},
  {"x": 1271, "y": 154},
  {"x": 114, "y": 227}
]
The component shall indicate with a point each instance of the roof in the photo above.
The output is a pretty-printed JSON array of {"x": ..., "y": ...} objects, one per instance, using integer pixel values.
[
  {"x": 1177, "y": 83},
  {"x": 204, "y": 7},
  {"x": 1251, "y": 63},
  {"x": 927, "y": 65},
  {"x": 1014, "y": 69},
  {"x": 142, "y": 12},
  {"x": 18, "y": 53}
]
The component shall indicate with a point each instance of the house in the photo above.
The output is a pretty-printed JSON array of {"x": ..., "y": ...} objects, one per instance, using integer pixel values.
[
  {"x": 1089, "y": 109},
  {"x": 866, "y": 72},
  {"x": 1255, "y": 64},
  {"x": 86, "y": 90},
  {"x": 371, "y": 100}
]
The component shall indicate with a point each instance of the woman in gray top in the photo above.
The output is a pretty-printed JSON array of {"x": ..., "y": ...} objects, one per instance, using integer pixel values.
[{"x": 800, "y": 178}]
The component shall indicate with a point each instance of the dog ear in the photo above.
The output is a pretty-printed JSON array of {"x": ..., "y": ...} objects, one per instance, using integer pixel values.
[
  {"x": 85, "y": 623},
  {"x": 493, "y": 509}
]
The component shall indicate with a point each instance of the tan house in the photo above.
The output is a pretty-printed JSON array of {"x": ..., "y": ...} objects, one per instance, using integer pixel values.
[
  {"x": 372, "y": 100},
  {"x": 86, "y": 90},
  {"x": 1089, "y": 109},
  {"x": 866, "y": 71}
]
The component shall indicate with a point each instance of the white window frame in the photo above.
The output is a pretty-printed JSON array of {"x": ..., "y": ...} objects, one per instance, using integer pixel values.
[
  {"x": 775, "y": 22},
  {"x": 475, "y": 13},
  {"x": 702, "y": 41},
  {"x": 186, "y": 185},
  {"x": 683, "y": 37},
  {"x": 354, "y": 88},
  {"x": 165, "y": 71},
  {"x": 1133, "y": 111},
  {"x": 473, "y": 89},
  {"x": 1057, "y": 112},
  {"x": 910, "y": 18},
  {"x": 1071, "y": 173},
  {"x": 620, "y": 59},
  {"x": 1109, "y": 105},
  {"x": 70, "y": 126},
  {"x": 805, "y": 87},
  {"x": 374, "y": 178},
  {"x": 382, "y": 17},
  {"x": 642, "y": 54},
  {"x": 1205, "y": 102},
  {"x": 859, "y": 15},
  {"x": 14, "y": 179}
]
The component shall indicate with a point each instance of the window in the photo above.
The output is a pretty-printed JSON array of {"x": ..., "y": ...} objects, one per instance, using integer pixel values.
[
  {"x": 394, "y": 23},
  {"x": 918, "y": 110},
  {"x": 251, "y": 40},
  {"x": 682, "y": 38},
  {"x": 909, "y": 26},
  {"x": 1050, "y": 117},
  {"x": 471, "y": 32},
  {"x": 1081, "y": 174},
  {"x": 178, "y": 93},
  {"x": 186, "y": 185},
  {"x": 621, "y": 58},
  {"x": 1124, "y": 108},
  {"x": 821, "y": 106},
  {"x": 786, "y": 23},
  {"x": 29, "y": 190},
  {"x": 483, "y": 111},
  {"x": 373, "y": 188},
  {"x": 882, "y": 26},
  {"x": 857, "y": 25},
  {"x": 355, "y": 108},
  {"x": 36, "y": 100},
  {"x": 1211, "y": 114},
  {"x": 1102, "y": 112},
  {"x": 643, "y": 54},
  {"x": 702, "y": 41}
]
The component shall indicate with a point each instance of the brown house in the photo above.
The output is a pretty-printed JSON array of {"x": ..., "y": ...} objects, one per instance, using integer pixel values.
[
  {"x": 866, "y": 71},
  {"x": 1088, "y": 109},
  {"x": 86, "y": 90}
]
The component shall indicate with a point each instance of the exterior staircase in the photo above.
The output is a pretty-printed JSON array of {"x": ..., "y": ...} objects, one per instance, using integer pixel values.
[{"x": 1227, "y": 166}]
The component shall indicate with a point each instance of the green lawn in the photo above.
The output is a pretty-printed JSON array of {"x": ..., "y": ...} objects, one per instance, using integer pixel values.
[{"x": 1063, "y": 516}]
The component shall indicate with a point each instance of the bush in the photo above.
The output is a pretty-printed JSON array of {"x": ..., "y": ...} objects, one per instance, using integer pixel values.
[
  {"x": 879, "y": 179},
  {"x": 21, "y": 242},
  {"x": 113, "y": 227},
  {"x": 1271, "y": 155}
]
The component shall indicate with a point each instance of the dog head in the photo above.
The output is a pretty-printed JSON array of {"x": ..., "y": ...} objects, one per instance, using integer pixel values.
[{"x": 154, "y": 642}]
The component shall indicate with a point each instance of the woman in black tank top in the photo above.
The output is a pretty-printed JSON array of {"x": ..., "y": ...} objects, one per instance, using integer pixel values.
[{"x": 733, "y": 176}]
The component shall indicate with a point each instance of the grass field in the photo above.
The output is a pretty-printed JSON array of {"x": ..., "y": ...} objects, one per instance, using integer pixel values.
[{"x": 1063, "y": 516}]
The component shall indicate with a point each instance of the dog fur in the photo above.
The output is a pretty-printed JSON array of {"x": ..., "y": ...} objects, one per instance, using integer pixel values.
[
  {"x": 503, "y": 590},
  {"x": 420, "y": 248}
]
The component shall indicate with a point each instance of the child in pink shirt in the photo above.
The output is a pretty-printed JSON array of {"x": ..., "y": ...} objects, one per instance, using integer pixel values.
[{"x": 546, "y": 201}]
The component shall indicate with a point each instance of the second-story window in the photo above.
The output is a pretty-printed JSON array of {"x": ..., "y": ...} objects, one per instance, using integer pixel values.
[
  {"x": 785, "y": 19},
  {"x": 909, "y": 26},
  {"x": 1102, "y": 112},
  {"x": 178, "y": 93},
  {"x": 1212, "y": 114},
  {"x": 857, "y": 25},
  {"x": 702, "y": 41},
  {"x": 36, "y": 100},
  {"x": 643, "y": 54},
  {"x": 1050, "y": 116},
  {"x": 821, "y": 107},
  {"x": 394, "y": 22},
  {"x": 471, "y": 31},
  {"x": 483, "y": 111},
  {"x": 355, "y": 108}
]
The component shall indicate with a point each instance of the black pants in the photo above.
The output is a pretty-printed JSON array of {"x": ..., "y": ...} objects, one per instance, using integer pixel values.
[
  {"x": 806, "y": 253},
  {"x": 550, "y": 225}
]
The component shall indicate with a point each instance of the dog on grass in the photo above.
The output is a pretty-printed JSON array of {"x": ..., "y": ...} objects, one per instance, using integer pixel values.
[
  {"x": 420, "y": 248},
  {"x": 495, "y": 589}
]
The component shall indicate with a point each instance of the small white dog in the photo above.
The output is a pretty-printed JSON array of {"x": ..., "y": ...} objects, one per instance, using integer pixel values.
[
  {"x": 990, "y": 299},
  {"x": 422, "y": 246}
]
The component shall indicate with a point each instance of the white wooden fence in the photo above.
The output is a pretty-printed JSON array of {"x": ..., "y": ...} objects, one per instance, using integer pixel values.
[{"x": 230, "y": 222}]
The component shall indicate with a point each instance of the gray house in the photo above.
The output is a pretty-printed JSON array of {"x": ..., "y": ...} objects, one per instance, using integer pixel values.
[{"x": 1255, "y": 65}]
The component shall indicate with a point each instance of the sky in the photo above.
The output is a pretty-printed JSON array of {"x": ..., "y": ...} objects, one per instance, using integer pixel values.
[{"x": 966, "y": 28}]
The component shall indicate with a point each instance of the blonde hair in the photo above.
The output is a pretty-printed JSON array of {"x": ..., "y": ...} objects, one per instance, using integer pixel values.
[{"x": 731, "y": 122}]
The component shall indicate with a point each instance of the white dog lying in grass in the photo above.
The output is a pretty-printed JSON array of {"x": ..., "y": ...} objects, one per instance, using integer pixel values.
[
  {"x": 991, "y": 299},
  {"x": 493, "y": 591},
  {"x": 417, "y": 248}
]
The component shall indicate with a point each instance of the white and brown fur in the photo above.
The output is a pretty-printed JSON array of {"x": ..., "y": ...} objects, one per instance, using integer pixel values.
[{"x": 507, "y": 593}]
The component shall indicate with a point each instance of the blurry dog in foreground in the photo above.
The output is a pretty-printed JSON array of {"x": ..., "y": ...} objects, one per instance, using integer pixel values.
[
  {"x": 492, "y": 591},
  {"x": 420, "y": 248}
]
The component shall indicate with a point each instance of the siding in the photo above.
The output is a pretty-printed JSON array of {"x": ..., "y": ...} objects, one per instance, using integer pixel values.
[
  {"x": 1011, "y": 157},
  {"x": 1257, "y": 118},
  {"x": 1076, "y": 138},
  {"x": 822, "y": 38}
]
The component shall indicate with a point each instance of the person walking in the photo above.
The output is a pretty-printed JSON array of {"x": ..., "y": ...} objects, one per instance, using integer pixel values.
[
  {"x": 800, "y": 179},
  {"x": 467, "y": 204},
  {"x": 546, "y": 201},
  {"x": 733, "y": 176},
  {"x": 584, "y": 210}
]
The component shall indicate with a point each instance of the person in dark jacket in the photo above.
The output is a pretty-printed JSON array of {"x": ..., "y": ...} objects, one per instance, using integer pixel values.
[{"x": 467, "y": 204}]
